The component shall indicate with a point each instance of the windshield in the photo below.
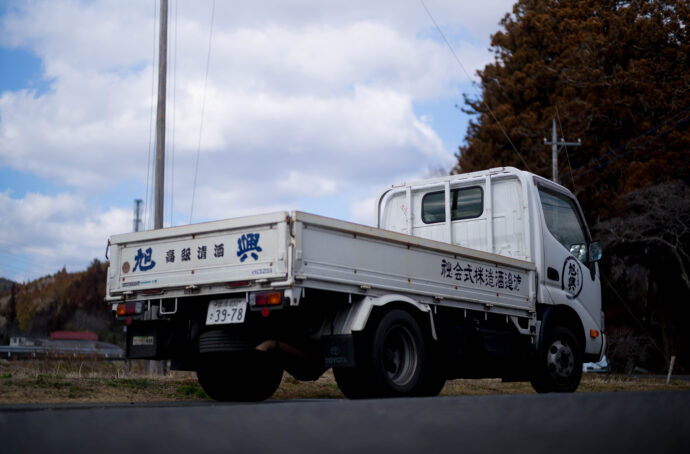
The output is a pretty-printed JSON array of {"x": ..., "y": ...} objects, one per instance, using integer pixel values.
[{"x": 564, "y": 222}]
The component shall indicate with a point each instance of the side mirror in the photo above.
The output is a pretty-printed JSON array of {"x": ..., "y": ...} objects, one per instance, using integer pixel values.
[{"x": 595, "y": 251}]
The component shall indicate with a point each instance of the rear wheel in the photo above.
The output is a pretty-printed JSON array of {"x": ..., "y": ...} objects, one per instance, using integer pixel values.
[
  {"x": 391, "y": 360},
  {"x": 398, "y": 354},
  {"x": 240, "y": 377},
  {"x": 559, "y": 363}
]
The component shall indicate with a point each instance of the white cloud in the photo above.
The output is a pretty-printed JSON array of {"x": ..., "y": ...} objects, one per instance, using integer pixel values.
[
  {"x": 44, "y": 233},
  {"x": 308, "y": 103},
  {"x": 364, "y": 210}
]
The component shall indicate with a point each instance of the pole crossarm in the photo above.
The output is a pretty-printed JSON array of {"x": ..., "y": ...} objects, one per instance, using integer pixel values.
[{"x": 555, "y": 143}]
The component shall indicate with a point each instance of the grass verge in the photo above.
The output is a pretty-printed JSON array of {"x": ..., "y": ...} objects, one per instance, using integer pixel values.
[{"x": 63, "y": 381}]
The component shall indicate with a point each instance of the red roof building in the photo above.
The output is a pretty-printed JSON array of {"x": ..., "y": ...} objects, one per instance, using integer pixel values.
[{"x": 74, "y": 335}]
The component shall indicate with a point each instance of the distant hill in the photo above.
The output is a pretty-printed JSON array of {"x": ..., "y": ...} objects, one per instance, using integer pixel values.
[
  {"x": 59, "y": 302},
  {"x": 5, "y": 285}
]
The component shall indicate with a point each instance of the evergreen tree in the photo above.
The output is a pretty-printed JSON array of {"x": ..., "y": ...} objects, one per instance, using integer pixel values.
[
  {"x": 614, "y": 73},
  {"x": 617, "y": 75}
]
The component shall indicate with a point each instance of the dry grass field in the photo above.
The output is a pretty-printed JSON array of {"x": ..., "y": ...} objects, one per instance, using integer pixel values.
[{"x": 62, "y": 381}]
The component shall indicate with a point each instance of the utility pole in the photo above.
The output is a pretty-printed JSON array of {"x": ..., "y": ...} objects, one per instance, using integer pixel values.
[
  {"x": 158, "y": 367},
  {"x": 554, "y": 149},
  {"x": 137, "y": 214},
  {"x": 160, "y": 117}
]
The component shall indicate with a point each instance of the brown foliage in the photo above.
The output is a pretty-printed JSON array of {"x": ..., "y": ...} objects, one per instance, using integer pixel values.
[
  {"x": 62, "y": 301},
  {"x": 611, "y": 71},
  {"x": 617, "y": 75}
]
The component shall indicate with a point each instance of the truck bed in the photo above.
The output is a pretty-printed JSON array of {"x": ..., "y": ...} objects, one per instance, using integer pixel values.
[{"x": 302, "y": 250}]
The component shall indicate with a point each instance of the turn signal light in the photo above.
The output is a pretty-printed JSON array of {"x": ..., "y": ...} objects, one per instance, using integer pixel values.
[
  {"x": 266, "y": 299},
  {"x": 593, "y": 333},
  {"x": 133, "y": 308}
]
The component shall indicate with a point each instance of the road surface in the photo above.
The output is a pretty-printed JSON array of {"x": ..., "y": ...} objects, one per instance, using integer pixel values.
[{"x": 582, "y": 423}]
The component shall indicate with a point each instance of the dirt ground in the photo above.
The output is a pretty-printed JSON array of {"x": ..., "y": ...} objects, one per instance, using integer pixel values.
[{"x": 63, "y": 381}]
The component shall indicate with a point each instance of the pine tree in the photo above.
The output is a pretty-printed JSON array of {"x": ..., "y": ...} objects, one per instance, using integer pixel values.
[
  {"x": 617, "y": 75},
  {"x": 614, "y": 73}
]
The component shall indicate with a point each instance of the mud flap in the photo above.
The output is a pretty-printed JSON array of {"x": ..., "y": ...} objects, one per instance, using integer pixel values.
[
  {"x": 145, "y": 340},
  {"x": 338, "y": 350}
]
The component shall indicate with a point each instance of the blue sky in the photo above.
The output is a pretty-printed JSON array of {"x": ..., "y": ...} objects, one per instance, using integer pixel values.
[{"x": 309, "y": 105}]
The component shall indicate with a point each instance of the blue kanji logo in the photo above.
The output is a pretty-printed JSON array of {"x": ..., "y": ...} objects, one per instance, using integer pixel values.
[
  {"x": 143, "y": 260},
  {"x": 248, "y": 242}
]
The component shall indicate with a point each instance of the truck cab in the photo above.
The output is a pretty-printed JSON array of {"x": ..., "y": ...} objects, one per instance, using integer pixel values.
[{"x": 515, "y": 214}]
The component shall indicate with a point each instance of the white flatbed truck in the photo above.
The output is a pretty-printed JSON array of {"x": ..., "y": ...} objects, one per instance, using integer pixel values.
[{"x": 485, "y": 274}]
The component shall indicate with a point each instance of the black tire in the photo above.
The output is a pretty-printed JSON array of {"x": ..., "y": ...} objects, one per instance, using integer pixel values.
[
  {"x": 558, "y": 365},
  {"x": 391, "y": 361},
  {"x": 434, "y": 375},
  {"x": 354, "y": 382},
  {"x": 240, "y": 377}
]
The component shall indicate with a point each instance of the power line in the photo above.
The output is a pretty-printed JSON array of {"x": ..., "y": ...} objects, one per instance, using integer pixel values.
[
  {"x": 615, "y": 150},
  {"x": 560, "y": 126},
  {"x": 632, "y": 314},
  {"x": 618, "y": 156},
  {"x": 203, "y": 107},
  {"x": 22, "y": 259},
  {"x": 452, "y": 51},
  {"x": 22, "y": 264},
  {"x": 555, "y": 143},
  {"x": 172, "y": 142}
]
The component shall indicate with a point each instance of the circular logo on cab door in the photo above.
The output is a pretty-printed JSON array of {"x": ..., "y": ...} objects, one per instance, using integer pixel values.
[
  {"x": 572, "y": 277},
  {"x": 125, "y": 268}
]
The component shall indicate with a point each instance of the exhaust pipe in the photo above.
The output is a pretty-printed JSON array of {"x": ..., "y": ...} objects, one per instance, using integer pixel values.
[{"x": 274, "y": 345}]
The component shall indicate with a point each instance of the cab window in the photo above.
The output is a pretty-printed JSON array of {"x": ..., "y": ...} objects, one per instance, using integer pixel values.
[
  {"x": 465, "y": 203},
  {"x": 564, "y": 222}
]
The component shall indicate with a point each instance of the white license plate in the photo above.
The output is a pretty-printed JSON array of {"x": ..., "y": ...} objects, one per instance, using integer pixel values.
[{"x": 221, "y": 312}]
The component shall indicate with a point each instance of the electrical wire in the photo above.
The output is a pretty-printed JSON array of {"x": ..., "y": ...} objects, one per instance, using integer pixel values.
[
  {"x": 565, "y": 147},
  {"x": 21, "y": 264},
  {"x": 632, "y": 314},
  {"x": 21, "y": 259},
  {"x": 600, "y": 161},
  {"x": 171, "y": 173},
  {"x": 618, "y": 156},
  {"x": 457, "y": 59},
  {"x": 203, "y": 107}
]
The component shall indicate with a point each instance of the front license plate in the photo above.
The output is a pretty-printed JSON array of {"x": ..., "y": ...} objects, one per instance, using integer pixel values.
[{"x": 221, "y": 312}]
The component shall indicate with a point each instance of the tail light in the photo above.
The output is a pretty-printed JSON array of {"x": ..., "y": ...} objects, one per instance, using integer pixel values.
[
  {"x": 266, "y": 299},
  {"x": 133, "y": 308}
]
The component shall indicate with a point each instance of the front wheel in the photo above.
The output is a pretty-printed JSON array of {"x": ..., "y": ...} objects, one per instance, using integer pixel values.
[
  {"x": 559, "y": 363},
  {"x": 240, "y": 377}
]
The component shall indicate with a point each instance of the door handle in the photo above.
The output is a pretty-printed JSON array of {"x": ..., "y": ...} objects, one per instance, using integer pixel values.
[{"x": 552, "y": 274}]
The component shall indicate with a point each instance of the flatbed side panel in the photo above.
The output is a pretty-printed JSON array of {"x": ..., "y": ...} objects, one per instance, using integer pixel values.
[
  {"x": 224, "y": 253},
  {"x": 395, "y": 237},
  {"x": 376, "y": 263}
]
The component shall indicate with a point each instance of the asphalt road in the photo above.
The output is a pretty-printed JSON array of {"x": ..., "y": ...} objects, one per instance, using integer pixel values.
[{"x": 571, "y": 423}]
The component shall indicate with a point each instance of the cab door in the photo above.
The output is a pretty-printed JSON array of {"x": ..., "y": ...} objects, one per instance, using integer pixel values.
[{"x": 571, "y": 278}]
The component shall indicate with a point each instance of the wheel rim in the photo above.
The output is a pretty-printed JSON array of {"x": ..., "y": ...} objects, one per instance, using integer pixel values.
[
  {"x": 560, "y": 359},
  {"x": 400, "y": 356}
]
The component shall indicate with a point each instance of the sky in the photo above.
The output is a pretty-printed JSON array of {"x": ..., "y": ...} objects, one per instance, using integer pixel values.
[{"x": 307, "y": 105}]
